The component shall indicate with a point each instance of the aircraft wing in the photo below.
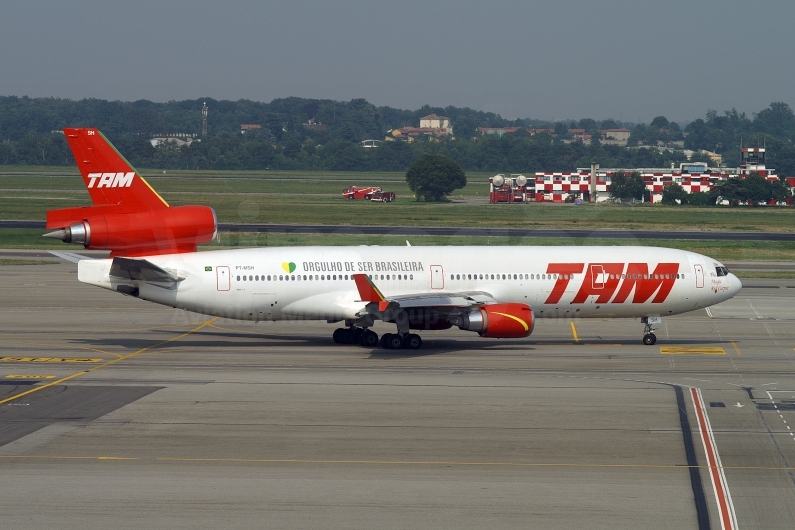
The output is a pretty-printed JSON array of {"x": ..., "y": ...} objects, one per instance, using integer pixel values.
[
  {"x": 143, "y": 271},
  {"x": 465, "y": 299},
  {"x": 369, "y": 293}
]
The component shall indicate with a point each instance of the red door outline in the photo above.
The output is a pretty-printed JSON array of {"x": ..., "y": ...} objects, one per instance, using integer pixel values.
[{"x": 598, "y": 273}]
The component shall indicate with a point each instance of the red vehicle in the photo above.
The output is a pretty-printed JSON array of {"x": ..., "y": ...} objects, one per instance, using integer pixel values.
[
  {"x": 355, "y": 192},
  {"x": 382, "y": 196}
]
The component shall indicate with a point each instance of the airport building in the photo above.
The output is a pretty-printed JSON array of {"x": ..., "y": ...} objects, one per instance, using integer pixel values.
[{"x": 692, "y": 177}]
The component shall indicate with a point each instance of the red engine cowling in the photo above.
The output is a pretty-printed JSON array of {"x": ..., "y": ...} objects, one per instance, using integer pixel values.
[
  {"x": 165, "y": 231},
  {"x": 501, "y": 321}
]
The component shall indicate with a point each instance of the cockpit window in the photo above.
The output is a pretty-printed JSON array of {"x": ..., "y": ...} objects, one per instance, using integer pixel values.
[{"x": 721, "y": 271}]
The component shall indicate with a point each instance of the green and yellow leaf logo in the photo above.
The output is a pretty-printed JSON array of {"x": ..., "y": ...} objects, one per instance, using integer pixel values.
[
  {"x": 288, "y": 267},
  {"x": 208, "y": 268}
]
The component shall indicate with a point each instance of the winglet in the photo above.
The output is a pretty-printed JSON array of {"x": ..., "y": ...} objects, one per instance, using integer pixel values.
[{"x": 368, "y": 292}]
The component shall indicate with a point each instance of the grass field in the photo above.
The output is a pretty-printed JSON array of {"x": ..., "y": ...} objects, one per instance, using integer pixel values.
[{"x": 302, "y": 197}]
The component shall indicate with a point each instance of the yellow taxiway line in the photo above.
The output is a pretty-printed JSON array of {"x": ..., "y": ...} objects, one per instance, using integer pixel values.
[{"x": 108, "y": 363}]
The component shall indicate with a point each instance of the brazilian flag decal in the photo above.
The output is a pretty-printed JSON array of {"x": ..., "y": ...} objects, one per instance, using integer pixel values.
[{"x": 209, "y": 268}]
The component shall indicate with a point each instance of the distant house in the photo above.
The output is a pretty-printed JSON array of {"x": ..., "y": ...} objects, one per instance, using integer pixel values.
[
  {"x": 249, "y": 127},
  {"x": 440, "y": 124},
  {"x": 431, "y": 125},
  {"x": 177, "y": 140},
  {"x": 319, "y": 127},
  {"x": 615, "y": 136},
  {"x": 550, "y": 132},
  {"x": 499, "y": 131}
]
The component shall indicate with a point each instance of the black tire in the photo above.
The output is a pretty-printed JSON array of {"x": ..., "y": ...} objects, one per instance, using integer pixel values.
[
  {"x": 369, "y": 339},
  {"x": 357, "y": 334},
  {"x": 412, "y": 342},
  {"x": 337, "y": 335},
  {"x": 649, "y": 339},
  {"x": 395, "y": 342},
  {"x": 385, "y": 340},
  {"x": 346, "y": 337}
]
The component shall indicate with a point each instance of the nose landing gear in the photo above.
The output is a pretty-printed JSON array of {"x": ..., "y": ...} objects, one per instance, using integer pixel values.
[{"x": 649, "y": 338}]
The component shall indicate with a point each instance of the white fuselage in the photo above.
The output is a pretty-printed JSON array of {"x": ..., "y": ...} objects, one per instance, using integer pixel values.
[{"x": 315, "y": 282}]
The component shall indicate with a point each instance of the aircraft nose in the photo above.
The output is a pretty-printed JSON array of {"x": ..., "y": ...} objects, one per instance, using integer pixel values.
[{"x": 734, "y": 284}]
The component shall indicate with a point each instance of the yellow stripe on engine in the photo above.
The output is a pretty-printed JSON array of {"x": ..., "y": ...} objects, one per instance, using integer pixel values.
[{"x": 519, "y": 320}]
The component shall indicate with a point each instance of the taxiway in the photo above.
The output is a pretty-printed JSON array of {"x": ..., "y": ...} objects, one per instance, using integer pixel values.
[{"x": 119, "y": 413}]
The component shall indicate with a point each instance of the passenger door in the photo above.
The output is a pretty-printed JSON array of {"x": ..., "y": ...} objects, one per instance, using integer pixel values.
[
  {"x": 223, "y": 280},
  {"x": 437, "y": 277},
  {"x": 699, "y": 275}
]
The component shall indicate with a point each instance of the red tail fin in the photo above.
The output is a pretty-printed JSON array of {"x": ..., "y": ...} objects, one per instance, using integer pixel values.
[
  {"x": 109, "y": 178},
  {"x": 128, "y": 217}
]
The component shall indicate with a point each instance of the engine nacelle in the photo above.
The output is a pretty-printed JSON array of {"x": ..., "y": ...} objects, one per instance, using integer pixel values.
[
  {"x": 168, "y": 230},
  {"x": 501, "y": 321}
]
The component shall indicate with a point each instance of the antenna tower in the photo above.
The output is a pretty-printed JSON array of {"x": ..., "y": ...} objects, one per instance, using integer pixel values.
[{"x": 204, "y": 120}]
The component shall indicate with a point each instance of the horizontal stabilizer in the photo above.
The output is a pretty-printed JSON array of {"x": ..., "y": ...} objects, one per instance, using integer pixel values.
[
  {"x": 143, "y": 271},
  {"x": 68, "y": 256}
]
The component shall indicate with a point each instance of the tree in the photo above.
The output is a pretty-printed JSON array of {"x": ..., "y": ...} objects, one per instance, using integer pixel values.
[
  {"x": 758, "y": 189},
  {"x": 627, "y": 187},
  {"x": 674, "y": 194},
  {"x": 660, "y": 122},
  {"x": 432, "y": 177}
]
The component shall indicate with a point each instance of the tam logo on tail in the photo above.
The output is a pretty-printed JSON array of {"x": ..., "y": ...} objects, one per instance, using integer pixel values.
[
  {"x": 111, "y": 180},
  {"x": 127, "y": 217}
]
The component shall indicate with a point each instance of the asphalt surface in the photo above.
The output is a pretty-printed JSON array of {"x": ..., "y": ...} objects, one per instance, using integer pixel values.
[
  {"x": 469, "y": 231},
  {"x": 155, "y": 417}
]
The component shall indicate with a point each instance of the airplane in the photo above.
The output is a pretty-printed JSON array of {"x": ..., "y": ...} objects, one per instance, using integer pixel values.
[{"x": 497, "y": 292}]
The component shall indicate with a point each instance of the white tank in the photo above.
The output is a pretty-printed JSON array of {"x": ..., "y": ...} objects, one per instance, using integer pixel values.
[
  {"x": 498, "y": 180},
  {"x": 521, "y": 180}
]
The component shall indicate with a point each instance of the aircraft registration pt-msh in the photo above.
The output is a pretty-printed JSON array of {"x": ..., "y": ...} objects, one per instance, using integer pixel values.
[{"x": 497, "y": 292}]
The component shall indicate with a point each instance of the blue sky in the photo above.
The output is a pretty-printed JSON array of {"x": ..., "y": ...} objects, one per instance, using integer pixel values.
[{"x": 522, "y": 59}]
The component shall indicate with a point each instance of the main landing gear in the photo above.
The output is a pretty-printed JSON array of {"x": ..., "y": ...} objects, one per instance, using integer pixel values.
[
  {"x": 369, "y": 339},
  {"x": 362, "y": 336},
  {"x": 649, "y": 338}
]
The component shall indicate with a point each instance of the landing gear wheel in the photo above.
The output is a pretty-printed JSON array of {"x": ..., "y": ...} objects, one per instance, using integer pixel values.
[
  {"x": 337, "y": 335},
  {"x": 383, "y": 340},
  {"x": 394, "y": 342},
  {"x": 649, "y": 339},
  {"x": 346, "y": 336},
  {"x": 368, "y": 339},
  {"x": 412, "y": 342}
]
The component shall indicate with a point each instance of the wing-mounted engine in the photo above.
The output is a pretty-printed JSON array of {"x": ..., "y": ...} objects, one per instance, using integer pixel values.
[
  {"x": 166, "y": 231},
  {"x": 501, "y": 321}
]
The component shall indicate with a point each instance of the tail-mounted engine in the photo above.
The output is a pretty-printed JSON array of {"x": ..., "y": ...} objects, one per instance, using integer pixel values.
[
  {"x": 501, "y": 321},
  {"x": 164, "y": 231}
]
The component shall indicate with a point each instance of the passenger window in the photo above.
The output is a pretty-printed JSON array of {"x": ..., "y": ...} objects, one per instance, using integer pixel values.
[{"x": 238, "y": 278}]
